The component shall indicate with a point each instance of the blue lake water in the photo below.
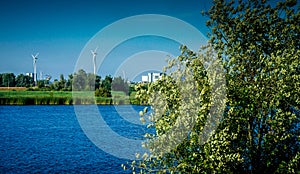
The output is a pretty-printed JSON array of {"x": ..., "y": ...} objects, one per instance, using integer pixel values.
[{"x": 43, "y": 139}]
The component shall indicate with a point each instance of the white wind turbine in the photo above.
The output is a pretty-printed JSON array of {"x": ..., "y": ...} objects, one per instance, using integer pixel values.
[
  {"x": 94, "y": 53},
  {"x": 34, "y": 67}
]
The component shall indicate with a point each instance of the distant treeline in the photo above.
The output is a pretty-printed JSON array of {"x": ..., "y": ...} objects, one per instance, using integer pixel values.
[
  {"x": 80, "y": 81},
  {"x": 10, "y": 80}
]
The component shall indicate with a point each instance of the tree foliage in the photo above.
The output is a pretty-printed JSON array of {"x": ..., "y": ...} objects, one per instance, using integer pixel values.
[
  {"x": 258, "y": 45},
  {"x": 259, "y": 131},
  {"x": 105, "y": 87},
  {"x": 80, "y": 81},
  {"x": 180, "y": 143},
  {"x": 119, "y": 84},
  {"x": 83, "y": 81},
  {"x": 8, "y": 80},
  {"x": 24, "y": 81}
]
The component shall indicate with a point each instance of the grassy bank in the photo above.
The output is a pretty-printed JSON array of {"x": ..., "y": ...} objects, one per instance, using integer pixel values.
[{"x": 13, "y": 97}]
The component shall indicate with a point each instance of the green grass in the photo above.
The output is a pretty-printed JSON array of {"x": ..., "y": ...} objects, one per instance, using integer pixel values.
[
  {"x": 10, "y": 94},
  {"x": 35, "y": 97},
  {"x": 62, "y": 98}
]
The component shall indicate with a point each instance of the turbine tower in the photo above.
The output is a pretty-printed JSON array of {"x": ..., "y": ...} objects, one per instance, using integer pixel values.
[
  {"x": 34, "y": 67},
  {"x": 124, "y": 75},
  {"x": 94, "y": 53}
]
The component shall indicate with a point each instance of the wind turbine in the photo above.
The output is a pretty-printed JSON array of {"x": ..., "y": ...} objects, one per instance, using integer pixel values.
[
  {"x": 94, "y": 53},
  {"x": 124, "y": 75},
  {"x": 34, "y": 67}
]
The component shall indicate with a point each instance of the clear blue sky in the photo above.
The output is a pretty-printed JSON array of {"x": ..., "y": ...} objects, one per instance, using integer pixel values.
[{"x": 59, "y": 29}]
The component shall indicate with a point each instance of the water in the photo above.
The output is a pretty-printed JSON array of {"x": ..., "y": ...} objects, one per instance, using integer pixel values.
[{"x": 43, "y": 139}]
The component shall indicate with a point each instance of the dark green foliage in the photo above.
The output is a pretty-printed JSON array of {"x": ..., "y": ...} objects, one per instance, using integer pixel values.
[
  {"x": 8, "y": 80},
  {"x": 106, "y": 83},
  {"x": 102, "y": 92},
  {"x": 24, "y": 81},
  {"x": 62, "y": 82},
  {"x": 80, "y": 80},
  {"x": 119, "y": 84},
  {"x": 131, "y": 88},
  {"x": 104, "y": 89},
  {"x": 40, "y": 84},
  {"x": 258, "y": 45},
  {"x": 69, "y": 83},
  {"x": 97, "y": 82}
]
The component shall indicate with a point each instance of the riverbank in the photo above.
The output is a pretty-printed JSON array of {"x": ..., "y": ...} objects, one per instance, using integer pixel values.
[{"x": 21, "y": 97}]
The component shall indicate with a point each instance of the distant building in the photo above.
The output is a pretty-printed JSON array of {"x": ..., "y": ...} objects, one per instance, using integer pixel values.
[
  {"x": 30, "y": 74},
  {"x": 145, "y": 79},
  {"x": 151, "y": 77}
]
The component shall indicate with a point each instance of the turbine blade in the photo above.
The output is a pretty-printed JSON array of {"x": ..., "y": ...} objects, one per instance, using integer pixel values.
[{"x": 37, "y": 54}]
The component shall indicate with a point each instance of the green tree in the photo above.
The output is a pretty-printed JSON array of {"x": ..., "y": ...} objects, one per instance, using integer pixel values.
[
  {"x": 141, "y": 93},
  {"x": 69, "y": 82},
  {"x": 79, "y": 80},
  {"x": 97, "y": 81},
  {"x": 104, "y": 89},
  {"x": 23, "y": 81},
  {"x": 55, "y": 85},
  {"x": 106, "y": 83},
  {"x": 85, "y": 81},
  {"x": 119, "y": 84},
  {"x": 259, "y": 131},
  {"x": 260, "y": 52},
  {"x": 8, "y": 79},
  {"x": 179, "y": 117},
  {"x": 41, "y": 83},
  {"x": 62, "y": 82},
  {"x": 90, "y": 82}
]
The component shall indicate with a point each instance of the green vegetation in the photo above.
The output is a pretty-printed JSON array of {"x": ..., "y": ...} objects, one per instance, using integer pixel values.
[
  {"x": 11, "y": 97},
  {"x": 259, "y": 130},
  {"x": 34, "y": 97},
  {"x": 87, "y": 89}
]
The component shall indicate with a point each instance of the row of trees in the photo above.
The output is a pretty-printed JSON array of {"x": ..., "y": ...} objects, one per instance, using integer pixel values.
[
  {"x": 10, "y": 80},
  {"x": 79, "y": 81},
  {"x": 83, "y": 81}
]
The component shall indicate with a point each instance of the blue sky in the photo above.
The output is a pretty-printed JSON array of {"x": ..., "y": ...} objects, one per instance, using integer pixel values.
[{"x": 60, "y": 29}]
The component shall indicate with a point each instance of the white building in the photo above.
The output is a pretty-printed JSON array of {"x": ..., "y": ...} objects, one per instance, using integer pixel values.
[
  {"x": 145, "y": 79},
  {"x": 151, "y": 77},
  {"x": 30, "y": 74}
]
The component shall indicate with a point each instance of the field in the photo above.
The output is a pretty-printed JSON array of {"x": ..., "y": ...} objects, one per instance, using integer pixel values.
[{"x": 23, "y": 97}]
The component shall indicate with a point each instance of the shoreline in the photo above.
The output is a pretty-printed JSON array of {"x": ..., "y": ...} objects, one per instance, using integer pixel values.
[
  {"x": 66, "y": 101},
  {"x": 64, "y": 98}
]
